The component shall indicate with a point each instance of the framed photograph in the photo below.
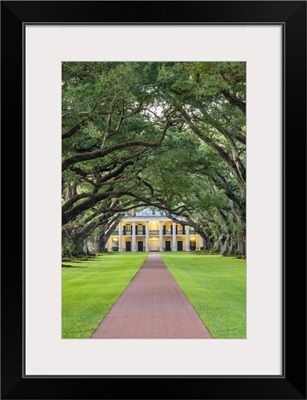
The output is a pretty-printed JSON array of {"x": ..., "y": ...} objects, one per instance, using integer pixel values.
[{"x": 167, "y": 73}]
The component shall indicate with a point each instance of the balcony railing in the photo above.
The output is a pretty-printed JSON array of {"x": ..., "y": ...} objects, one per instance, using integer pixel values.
[{"x": 167, "y": 232}]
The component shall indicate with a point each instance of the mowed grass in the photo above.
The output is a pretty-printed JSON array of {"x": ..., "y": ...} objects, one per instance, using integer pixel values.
[
  {"x": 216, "y": 287},
  {"x": 91, "y": 287}
]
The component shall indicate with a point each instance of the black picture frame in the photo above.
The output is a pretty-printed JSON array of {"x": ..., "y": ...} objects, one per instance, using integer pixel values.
[{"x": 292, "y": 16}]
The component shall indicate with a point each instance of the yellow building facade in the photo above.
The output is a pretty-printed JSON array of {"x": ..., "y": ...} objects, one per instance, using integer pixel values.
[{"x": 151, "y": 230}]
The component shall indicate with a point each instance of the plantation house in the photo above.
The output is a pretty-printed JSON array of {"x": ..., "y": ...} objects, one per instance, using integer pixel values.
[{"x": 150, "y": 230}]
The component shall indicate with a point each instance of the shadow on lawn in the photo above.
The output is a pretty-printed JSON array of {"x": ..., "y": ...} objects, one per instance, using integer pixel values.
[
  {"x": 71, "y": 266},
  {"x": 79, "y": 261}
]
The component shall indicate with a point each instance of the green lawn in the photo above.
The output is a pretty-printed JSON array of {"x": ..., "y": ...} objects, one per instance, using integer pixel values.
[
  {"x": 216, "y": 287},
  {"x": 90, "y": 288}
]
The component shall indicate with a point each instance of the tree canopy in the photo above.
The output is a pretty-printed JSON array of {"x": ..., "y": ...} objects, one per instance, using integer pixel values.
[{"x": 167, "y": 134}]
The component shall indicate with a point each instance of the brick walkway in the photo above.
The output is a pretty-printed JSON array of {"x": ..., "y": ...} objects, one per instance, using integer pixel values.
[{"x": 152, "y": 306}]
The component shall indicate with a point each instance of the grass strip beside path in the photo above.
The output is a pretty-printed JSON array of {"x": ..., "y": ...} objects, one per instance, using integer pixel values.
[
  {"x": 91, "y": 287},
  {"x": 216, "y": 287}
]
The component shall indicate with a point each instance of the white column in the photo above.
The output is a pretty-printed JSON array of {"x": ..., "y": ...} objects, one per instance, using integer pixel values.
[
  {"x": 120, "y": 237},
  {"x": 187, "y": 238},
  {"x": 174, "y": 247},
  {"x": 160, "y": 236},
  {"x": 201, "y": 242},
  {"x": 133, "y": 238},
  {"x": 147, "y": 236},
  {"x": 109, "y": 244}
]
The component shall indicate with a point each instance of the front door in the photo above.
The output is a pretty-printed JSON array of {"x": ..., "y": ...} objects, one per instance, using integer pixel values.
[
  {"x": 140, "y": 246},
  {"x": 128, "y": 246},
  {"x": 154, "y": 245},
  {"x": 167, "y": 245},
  {"x": 179, "y": 245}
]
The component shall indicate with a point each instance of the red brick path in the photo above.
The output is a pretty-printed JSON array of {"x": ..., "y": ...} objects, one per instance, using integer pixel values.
[{"x": 152, "y": 306}]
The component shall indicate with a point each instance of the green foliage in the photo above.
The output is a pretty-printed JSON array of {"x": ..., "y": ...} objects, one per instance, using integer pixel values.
[{"x": 188, "y": 122}]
